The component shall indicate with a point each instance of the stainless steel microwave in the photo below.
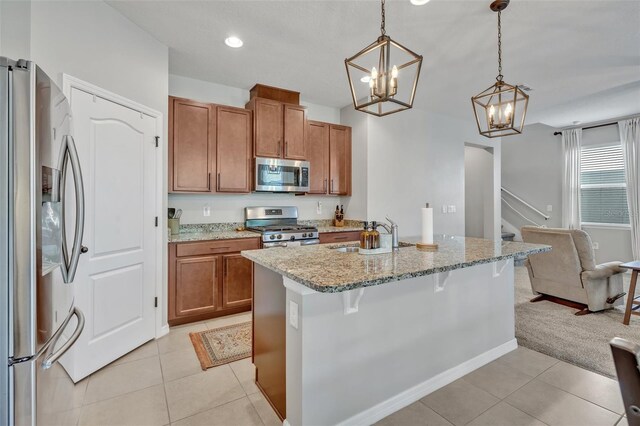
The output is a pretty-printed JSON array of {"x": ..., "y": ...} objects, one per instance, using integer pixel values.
[{"x": 277, "y": 175}]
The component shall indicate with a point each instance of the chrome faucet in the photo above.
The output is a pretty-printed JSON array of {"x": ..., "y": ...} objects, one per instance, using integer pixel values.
[{"x": 393, "y": 230}]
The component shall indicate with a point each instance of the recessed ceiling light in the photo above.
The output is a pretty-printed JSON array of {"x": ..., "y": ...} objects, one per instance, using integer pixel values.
[
  {"x": 234, "y": 42},
  {"x": 365, "y": 79},
  {"x": 419, "y": 2}
]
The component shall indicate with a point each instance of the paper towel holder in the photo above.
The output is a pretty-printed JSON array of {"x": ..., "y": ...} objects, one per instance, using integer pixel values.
[{"x": 427, "y": 247}]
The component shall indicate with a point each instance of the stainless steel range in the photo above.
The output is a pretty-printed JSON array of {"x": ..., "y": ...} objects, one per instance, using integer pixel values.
[{"x": 279, "y": 227}]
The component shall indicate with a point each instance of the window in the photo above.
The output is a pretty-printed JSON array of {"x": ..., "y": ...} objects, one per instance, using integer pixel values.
[{"x": 603, "y": 192}]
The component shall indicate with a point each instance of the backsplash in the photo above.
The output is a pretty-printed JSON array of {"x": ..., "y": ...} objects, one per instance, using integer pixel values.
[
  {"x": 232, "y": 226},
  {"x": 230, "y": 208}
]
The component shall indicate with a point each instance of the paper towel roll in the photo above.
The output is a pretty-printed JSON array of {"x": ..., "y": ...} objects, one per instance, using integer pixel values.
[{"x": 427, "y": 225}]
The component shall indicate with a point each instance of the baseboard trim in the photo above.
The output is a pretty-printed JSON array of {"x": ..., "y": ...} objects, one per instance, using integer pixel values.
[
  {"x": 164, "y": 330},
  {"x": 408, "y": 397}
]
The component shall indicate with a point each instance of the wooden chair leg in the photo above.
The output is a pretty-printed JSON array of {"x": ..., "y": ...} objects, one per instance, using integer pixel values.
[
  {"x": 630, "y": 296},
  {"x": 582, "y": 312},
  {"x": 538, "y": 298}
]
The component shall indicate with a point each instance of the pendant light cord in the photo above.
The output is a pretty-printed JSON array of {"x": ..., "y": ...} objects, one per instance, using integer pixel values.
[
  {"x": 383, "y": 31},
  {"x": 500, "y": 76}
]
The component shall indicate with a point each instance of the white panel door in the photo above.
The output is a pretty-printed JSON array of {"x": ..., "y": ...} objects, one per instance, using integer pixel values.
[{"x": 115, "y": 283}]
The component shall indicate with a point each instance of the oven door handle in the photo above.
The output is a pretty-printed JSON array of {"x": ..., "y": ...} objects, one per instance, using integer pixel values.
[{"x": 309, "y": 242}]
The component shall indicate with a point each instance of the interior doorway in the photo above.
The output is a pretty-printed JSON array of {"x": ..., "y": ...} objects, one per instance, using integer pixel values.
[{"x": 482, "y": 192}]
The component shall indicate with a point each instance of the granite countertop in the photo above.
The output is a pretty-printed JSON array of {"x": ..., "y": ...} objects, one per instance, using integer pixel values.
[
  {"x": 227, "y": 230},
  {"x": 212, "y": 235},
  {"x": 326, "y": 270}
]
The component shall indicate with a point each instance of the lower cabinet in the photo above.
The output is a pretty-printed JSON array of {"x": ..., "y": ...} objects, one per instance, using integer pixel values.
[
  {"x": 339, "y": 237},
  {"x": 209, "y": 279}
]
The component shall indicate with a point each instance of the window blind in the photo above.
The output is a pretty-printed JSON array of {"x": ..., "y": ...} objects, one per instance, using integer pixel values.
[{"x": 603, "y": 190}]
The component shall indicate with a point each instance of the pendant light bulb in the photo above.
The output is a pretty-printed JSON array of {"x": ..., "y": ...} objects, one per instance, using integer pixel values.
[
  {"x": 374, "y": 73},
  {"x": 394, "y": 72}
]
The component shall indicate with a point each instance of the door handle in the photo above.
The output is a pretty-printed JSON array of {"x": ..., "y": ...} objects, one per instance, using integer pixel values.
[
  {"x": 55, "y": 356},
  {"x": 332, "y": 186},
  {"x": 209, "y": 182},
  {"x": 286, "y": 148},
  {"x": 279, "y": 151},
  {"x": 69, "y": 154},
  {"x": 218, "y": 182},
  {"x": 324, "y": 187}
]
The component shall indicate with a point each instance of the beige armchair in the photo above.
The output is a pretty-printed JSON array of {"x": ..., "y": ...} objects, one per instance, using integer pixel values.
[{"x": 569, "y": 270}]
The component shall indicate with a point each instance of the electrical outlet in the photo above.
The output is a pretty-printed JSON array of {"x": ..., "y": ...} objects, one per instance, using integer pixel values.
[
  {"x": 451, "y": 209},
  {"x": 596, "y": 246},
  {"x": 319, "y": 207},
  {"x": 206, "y": 211},
  {"x": 444, "y": 208},
  {"x": 549, "y": 208},
  {"x": 293, "y": 314}
]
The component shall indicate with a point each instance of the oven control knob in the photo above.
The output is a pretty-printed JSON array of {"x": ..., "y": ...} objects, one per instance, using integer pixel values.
[
  {"x": 279, "y": 236},
  {"x": 272, "y": 237},
  {"x": 293, "y": 237},
  {"x": 304, "y": 235}
]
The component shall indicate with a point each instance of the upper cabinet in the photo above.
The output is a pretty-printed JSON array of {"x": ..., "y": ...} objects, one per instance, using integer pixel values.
[
  {"x": 209, "y": 147},
  {"x": 191, "y": 145},
  {"x": 318, "y": 156},
  {"x": 233, "y": 149},
  {"x": 279, "y": 129},
  {"x": 329, "y": 154}
]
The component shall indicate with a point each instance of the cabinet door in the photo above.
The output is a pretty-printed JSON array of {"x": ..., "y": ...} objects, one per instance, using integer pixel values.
[
  {"x": 339, "y": 160},
  {"x": 196, "y": 290},
  {"x": 233, "y": 147},
  {"x": 192, "y": 146},
  {"x": 295, "y": 123},
  {"x": 269, "y": 128},
  {"x": 237, "y": 279},
  {"x": 318, "y": 156}
]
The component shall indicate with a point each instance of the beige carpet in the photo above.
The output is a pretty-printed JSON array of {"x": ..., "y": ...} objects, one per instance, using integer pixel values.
[
  {"x": 554, "y": 329},
  {"x": 222, "y": 345}
]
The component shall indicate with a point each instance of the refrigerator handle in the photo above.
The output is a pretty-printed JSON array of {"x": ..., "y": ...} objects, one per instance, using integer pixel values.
[
  {"x": 69, "y": 152},
  {"x": 55, "y": 356}
]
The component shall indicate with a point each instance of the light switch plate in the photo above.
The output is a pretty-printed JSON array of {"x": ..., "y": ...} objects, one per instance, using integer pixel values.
[
  {"x": 596, "y": 245},
  {"x": 549, "y": 208},
  {"x": 206, "y": 211},
  {"x": 319, "y": 207},
  {"x": 293, "y": 314},
  {"x": 444, "y": 208}
]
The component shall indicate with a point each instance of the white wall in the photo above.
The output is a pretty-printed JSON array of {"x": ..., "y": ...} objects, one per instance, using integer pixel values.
[
  {"x": 478, "y": 190},
  {"x": 92, "y": 41},
  {"x": 15, "y": 28},
  {"x": 532, "y": 169},
  {"x": 230, "y": 208},
  {"x": 412, "y": 158}
]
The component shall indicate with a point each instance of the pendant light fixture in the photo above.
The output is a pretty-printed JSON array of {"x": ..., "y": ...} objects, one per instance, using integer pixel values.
[
  {"x": 500, "y": 110},
  {"x": 380, "y": 86}
]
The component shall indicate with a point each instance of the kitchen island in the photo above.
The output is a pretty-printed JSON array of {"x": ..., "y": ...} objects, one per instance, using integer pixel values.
[{"x": 343, "y": 338}]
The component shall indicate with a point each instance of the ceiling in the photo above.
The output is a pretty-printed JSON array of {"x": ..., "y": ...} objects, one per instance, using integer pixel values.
[{"x": 581, "y": 58}]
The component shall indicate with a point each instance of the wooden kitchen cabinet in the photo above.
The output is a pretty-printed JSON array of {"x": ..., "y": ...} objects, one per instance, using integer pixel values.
[
  {"x": 209, "y": 279},
  {"x": 318, "y": 156},
  {"x": 339, "y": 237},
  {"x": 233, "y": 149},
  {"x": 295, "y": 123},
  {"x": 237, "y": 280},
  {"x": 279, "y": 129},
  {"x": 329, "y": 154},
  {"x": 191, "y": 145},
  {"x": 339, "y": 160},
  {"x": 210, "y": 147},
  {"x": 198, "y": 290}
]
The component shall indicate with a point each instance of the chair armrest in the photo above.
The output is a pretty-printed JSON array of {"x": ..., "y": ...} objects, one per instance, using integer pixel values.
[{"x": 604, "y": 270}]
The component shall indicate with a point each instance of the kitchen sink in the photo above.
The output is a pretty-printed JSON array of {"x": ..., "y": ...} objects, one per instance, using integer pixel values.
[{"x": 347, "y": 249}]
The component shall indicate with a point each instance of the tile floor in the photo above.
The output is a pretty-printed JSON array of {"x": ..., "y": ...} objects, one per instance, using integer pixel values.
[{"x": 161, "y": 383}]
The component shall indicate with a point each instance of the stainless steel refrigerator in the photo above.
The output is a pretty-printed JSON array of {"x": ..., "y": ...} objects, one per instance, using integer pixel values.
[{"x": 38, "y": 255}]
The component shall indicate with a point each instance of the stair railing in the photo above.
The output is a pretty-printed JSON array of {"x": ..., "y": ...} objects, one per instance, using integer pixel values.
[{"x": 514, "y": 196}]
